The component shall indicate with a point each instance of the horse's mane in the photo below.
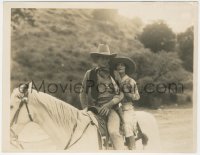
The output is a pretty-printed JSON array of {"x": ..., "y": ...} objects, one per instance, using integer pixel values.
[{"x": 59, "y": 111}]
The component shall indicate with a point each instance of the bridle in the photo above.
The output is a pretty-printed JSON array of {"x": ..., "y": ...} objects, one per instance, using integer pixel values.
[{"x": 24, "y": 101}]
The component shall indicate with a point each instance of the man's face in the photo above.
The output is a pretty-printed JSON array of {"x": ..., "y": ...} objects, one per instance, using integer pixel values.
[{"x": 103, "y": 61}]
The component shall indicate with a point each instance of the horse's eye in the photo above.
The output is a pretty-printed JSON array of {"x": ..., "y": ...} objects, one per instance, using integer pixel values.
[
  {"x": 19, "y": 96},
  {"x": 11, "y": 106}
]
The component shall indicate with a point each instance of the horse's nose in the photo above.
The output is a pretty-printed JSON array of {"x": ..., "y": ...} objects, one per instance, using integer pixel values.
[{"x": 11, "y": 107}]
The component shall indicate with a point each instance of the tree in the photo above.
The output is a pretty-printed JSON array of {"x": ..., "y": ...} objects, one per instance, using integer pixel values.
[
  {"x": 156, "y": 73},
  {"x": 185, "y": 44},
  {"x": 158, "y": 36}
]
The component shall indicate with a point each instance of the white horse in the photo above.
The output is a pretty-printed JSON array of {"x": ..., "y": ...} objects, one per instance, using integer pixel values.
[{"x": 68, "y": 127}]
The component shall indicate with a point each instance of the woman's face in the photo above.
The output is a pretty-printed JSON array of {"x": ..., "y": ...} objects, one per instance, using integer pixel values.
[{"x": 121, "y": 67}]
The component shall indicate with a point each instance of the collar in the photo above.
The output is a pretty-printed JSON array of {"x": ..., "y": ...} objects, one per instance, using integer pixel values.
[
  {"x": 125, "y": 78},
  {"x": 113, "y": 81}
]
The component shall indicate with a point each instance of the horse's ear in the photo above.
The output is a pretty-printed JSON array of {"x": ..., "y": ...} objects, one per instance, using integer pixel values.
[
  {"x": 30, "y": 84},
  {"x": 23, "y": 88}
]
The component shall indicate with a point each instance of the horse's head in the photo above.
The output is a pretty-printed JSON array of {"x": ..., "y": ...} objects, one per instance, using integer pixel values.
[
  {"x": 20, "y": 111},
  {"x": 57, "y": 118}
]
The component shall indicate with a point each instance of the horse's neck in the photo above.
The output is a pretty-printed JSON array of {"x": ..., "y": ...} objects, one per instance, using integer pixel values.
[
  {"x": 59, "y": 133},
  {"x": 55, "y": 132}
]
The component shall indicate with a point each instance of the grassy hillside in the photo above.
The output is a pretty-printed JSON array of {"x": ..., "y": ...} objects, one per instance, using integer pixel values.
[{"x": 56, "y": 48}]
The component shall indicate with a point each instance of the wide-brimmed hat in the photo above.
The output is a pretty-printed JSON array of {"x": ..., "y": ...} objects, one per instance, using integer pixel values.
[
  {"x": 103, "y": 50},
  {"x": 129, "y": 63}
]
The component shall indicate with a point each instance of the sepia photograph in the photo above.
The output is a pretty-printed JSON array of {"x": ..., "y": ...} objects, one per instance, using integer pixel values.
[{"x": 100, "y": 77}]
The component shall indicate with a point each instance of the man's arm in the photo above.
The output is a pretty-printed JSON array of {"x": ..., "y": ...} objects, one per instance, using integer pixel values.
[
  {"x": 116, "y": 99},
  {"x": 83, "y": 94}
]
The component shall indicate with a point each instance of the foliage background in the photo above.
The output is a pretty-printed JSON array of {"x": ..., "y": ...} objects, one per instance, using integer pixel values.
[{"x": 54, "y": 45}]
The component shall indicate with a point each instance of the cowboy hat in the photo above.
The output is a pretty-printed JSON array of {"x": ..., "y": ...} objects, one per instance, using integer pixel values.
[
  {"x": 130, "y": 64},
  {"x": 103, "y": 50}
]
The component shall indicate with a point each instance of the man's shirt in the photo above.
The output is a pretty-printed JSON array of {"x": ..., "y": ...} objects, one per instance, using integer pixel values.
[{"x": 106, "y": 87}]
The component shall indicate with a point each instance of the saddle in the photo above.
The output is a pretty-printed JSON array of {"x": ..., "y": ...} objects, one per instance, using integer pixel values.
[{"x": 101, "y": 123}]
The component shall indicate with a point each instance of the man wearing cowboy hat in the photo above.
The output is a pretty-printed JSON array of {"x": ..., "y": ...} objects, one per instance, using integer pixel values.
[{"x": 100, "y": 90}]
